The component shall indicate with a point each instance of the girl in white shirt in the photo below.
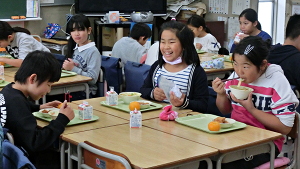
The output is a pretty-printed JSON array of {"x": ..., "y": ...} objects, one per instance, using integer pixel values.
[{"x": 203, "y": 39}]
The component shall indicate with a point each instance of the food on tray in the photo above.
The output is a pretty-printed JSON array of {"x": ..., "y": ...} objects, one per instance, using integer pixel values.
[
  {"x": 134, "y": 105},
  {"x": 220, "y": 120},
  {"x": 45, "y": 111},
  {"x": 214, "y": 126}
]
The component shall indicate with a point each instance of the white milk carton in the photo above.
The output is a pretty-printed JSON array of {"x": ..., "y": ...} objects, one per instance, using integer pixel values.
[
  {"x": 237, "y": 37},
  {"x": 135, "y": 119},
  {"x": 111, "y": 97},
  {"x": 85, "y": 111}
]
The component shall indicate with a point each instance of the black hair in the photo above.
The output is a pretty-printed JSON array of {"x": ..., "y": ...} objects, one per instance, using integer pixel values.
[
  {"x": 6, "y": 30},
  {"x": 256, "y": 55},
  {"x": 140, "y": 29},
  {"x": 197, "y": 21},
  {"x": 41, "y": 63},
  {"x": 186, "y": 38},
  {"x": 258, "y": 26},
  {"x": 250, "y": 14},
  {"x": 292, "y": 30},
  {"x": 77, "y": 22}
]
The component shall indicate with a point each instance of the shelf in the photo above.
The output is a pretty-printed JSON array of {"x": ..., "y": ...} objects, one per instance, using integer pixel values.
[{"x": 20, "y": 20}]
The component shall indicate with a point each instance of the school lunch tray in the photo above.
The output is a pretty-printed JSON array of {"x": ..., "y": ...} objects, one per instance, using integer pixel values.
[
  {"x": 7, "y": 56},
  {"x": 3, "y": 84},
  {"x": 65, "y": 73},
  {"x": 199, "y": 51},
  {"x": 74, "y": 121},
  {"x": 201, "y": 121},
  {"x": 125, "y": 107}
]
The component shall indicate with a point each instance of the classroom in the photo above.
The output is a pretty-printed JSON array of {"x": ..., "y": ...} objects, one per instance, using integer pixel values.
[{"x": 167, "y": 84}]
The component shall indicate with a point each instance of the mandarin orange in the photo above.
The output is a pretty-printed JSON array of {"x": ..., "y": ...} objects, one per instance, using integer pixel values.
[
  {"x": 134, "y": 105},
  {"x": 214, "y": 126}
]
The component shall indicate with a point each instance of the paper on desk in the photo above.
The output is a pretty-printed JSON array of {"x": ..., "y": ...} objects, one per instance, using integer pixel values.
[{"x": 167, "y": 86}]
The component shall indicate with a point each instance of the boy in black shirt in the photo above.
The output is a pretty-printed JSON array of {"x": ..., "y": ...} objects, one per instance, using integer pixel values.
[{"x": 33, "y": 80}]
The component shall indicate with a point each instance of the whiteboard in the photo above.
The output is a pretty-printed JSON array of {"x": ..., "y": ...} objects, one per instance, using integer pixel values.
[{"x": 56, "y": 2}]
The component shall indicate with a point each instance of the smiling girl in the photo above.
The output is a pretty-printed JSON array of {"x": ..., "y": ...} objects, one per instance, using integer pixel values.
[
  {"x": 83, "y": 56},
  {"x": 178, "y": 62},
  {"x": 270, "y": 106},
  {"x": 250, "y": 26}
]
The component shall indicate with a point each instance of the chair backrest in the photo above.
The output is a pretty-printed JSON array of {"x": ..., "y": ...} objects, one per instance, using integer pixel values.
[
  {"x": 135, "y": 74},
  {"x": 101, "y": 83},
  {"x": 13, "y": 156},
  {"x": 288, "y": 157},
  {"x": 113, "y": 72},
  {"x": 91, "y": 155}
]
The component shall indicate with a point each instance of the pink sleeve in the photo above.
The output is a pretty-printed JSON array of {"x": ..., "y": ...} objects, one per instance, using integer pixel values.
[{"x": 143, "y": 58}]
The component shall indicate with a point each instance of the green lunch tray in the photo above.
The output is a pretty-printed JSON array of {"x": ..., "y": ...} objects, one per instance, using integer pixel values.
[
  {"x": 65, "y": 73},
  {"x": 74, "y": 121},
  {"x": 4, "y": 83},
  {"x": 125, "y": 107},
  {"x": 201, "y": 121},
  {"x": 199, "y": 51}
]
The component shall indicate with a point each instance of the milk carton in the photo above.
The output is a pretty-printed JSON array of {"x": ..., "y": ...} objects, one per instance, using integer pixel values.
[
  {"x": 85, "y": 111},
  {"x": 135, "y": 119},
  {"x": 237, "y": 37},
  {"x": 111, "y": 97}
]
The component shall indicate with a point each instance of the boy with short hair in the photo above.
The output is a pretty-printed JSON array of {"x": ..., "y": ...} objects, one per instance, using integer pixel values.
[
  {"x": 131, "y": 48},
  {"x": 33, "y": 80}
]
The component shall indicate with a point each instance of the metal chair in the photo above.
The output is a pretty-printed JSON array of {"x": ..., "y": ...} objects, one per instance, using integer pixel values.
[
  {"x": 93, "y": 156},
  {"x": 37, "y": 37},
  {"x": 290, "y": 148}
]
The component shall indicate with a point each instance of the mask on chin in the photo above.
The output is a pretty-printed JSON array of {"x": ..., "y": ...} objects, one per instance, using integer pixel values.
[{"x": 177, "y": 61}]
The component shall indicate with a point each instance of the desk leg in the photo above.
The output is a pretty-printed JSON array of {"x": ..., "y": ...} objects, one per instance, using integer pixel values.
[
  {"x": 87, "y": 90},
  {"x": 272, "y": 156},
  {"x": 62, "y": 155},
  {"x": 63, "y": 49}
]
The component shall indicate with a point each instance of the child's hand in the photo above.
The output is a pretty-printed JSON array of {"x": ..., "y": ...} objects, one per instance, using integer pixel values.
[
  {"x": 50, "y": 104},
  {"x": 175, "y": 101},
  {"x": 247, "y": 104},
  {"x": 159, "y": 94},
  {"x": 218, "y": 86},
  {"x": 67, "y": 110},
  {"x": 242, "y": 36},
  {"x": 68, "y": 64},
  {"x": 198, "y": 46}
]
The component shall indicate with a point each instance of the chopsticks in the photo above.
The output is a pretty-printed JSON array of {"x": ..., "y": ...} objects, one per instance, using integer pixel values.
[{"x": 225, "y": 80}]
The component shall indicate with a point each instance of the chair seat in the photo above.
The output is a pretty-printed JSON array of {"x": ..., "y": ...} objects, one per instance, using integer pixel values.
[{"x": 280, "y": 162}]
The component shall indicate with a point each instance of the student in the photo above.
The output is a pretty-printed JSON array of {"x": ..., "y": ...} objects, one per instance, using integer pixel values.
[
  {"x": 18, "y": 43},
  {"x": 178, "y": 61},
  {"x": 270, "y": 106},
  {"x": 287, "y": 55},
  {"x": 250, "y": 26},
  {"x": 203, "y": 39},
  {"x": 82, "y": 57},
  {"x": 33, "y": 80},
  {"x": 131, "y": 48}
]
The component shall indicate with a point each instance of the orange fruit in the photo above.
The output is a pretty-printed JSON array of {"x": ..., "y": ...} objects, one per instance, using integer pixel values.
[
  {"x": 214, "y": 126},
  {"x": 2, "y": 63},
  {"x": 134, "y": 105}
]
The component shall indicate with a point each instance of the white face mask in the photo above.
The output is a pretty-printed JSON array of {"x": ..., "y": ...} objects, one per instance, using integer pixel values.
[{"x": 177, "y": 61}]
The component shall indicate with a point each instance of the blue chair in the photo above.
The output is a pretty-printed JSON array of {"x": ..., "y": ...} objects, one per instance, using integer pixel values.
[
  {"x": 135, "y": 74},
  {"x": 112, "y": 72}
]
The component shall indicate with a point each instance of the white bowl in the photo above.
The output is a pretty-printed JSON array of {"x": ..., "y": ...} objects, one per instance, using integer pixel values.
[
  {"x": 53, "y": 114},
  {"x": 240, "y": 92},
  {"x": 128, "y": 97},
  {"x": 144, "y": 104},
  {"x": 228, "y": 124},
  {"x": 45, "y": 112}
]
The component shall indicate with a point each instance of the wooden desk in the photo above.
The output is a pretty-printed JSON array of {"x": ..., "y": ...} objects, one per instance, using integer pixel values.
[
  {"x": 95, "y": 102},
  {"x": 213, "y": 73},
  {"x": 71, "y": 83},
  {"x": 50, "y": 42},
  {"x": 145, "y": 147},
  {"x": 238, "y": 144}
]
